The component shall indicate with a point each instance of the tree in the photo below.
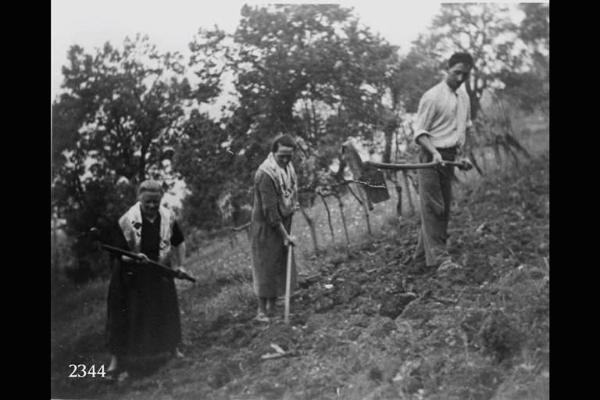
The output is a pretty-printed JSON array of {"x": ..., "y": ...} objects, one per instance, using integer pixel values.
[
  {"x": 413, "y": 76},
  {"x": 118, "y": 109},
  {"x": 312, "y": 70},
  {"x": 484, "y": 30},
  {"x": 535, "y": 27},
  {"x": 309, "y": 70},
  {"x": 531, "y": 88},
  {"x": 205, "y": 162},
  {"x": 131, "y": 101}
]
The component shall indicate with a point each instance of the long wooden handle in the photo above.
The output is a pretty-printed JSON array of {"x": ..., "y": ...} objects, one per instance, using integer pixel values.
[
  {"x": 160, "y": 267},
  {"x": 412, "y": 166},
  {"x": 288, "y": 284}
]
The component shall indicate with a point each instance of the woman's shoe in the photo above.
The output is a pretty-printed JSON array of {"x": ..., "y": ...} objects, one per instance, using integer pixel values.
[
  {"x": 123, "y": 376},
  {"x": 262, "y": 317},
  {"x": 270, "y": 309},
  {"x": 177, "y": 353},
  {"x": 116, "y": 375},
  {"x": 112, "y": 374}
]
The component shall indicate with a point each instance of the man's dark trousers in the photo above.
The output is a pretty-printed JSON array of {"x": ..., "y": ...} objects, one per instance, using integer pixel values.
[{"x": 435, "y": 196}]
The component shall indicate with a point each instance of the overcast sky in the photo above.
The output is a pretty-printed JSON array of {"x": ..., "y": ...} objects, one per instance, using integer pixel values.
[{"x": 171, "y": 24}]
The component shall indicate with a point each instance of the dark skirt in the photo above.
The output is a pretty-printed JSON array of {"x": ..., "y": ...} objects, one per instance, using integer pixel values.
[
  {"x": 269, "y": 259},
  {"x": 142, "y": 313}
]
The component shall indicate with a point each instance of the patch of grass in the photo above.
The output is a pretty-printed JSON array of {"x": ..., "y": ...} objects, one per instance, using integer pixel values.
[{"x": 230, "y": 300}]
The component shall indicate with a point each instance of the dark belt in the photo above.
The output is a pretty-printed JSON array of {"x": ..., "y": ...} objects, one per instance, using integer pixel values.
[
  {"x": 448, "y": 154},
  {"x": 449, "y": 150}
]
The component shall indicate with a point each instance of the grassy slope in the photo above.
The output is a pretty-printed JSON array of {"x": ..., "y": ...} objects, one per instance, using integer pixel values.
[{"x": 479, "y": 333}]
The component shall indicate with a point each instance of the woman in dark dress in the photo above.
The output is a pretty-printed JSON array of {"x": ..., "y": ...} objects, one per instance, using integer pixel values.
[
  {"x": 275, "y": 199},
  {"x": 143, "y": 310}
]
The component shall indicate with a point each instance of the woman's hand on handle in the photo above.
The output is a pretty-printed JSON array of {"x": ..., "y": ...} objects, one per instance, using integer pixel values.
[
  {"x": 289, "y": 240},
  {"x": 142, "y": 258}
]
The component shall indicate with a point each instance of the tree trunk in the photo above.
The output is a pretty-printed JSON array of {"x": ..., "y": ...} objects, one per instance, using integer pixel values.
[
  {"x": 513, "y": 142},
  {"x": 408, "y": 192},
  {"x": 79, "y": 190},
  {"x": 413, "y": 183},
  {"x": 364, "y": 207},
  {"x": 232, "y": 239},
  {"x": 142, "y": 170},
  {"x": 309, "y": 130},
  {"x": 328, "y": 217},
  {"x": 497, "y": 154},
  {"x": 315, "y": 125},
  {"x": 393, "y": 176},
  {"x": 55, "y": 256},
  {"x": 475, "y": 163},
  {"x": 473, "y": 96},
  {"x": 484, "y": 166},
  {"x": 509, "y": 151},
  {"x": 509, "y": 134},
  {"x": 341, "y": 205},
  {"x": 387, "y": 152},
  {"x": 339, "y": 175},
  {"x": 311, "y": 227},
  {"x": 399, "y": 202}
]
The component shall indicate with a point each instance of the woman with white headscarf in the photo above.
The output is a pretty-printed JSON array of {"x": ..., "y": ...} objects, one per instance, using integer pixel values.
[
  {"x": 143, "y": 310},
  {"x": 275, "y": 199}
]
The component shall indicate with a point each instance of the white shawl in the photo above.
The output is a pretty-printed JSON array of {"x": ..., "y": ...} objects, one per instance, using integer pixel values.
[
  {"x": 285, "y": 181},
  {"x": 131, "y": 225}
]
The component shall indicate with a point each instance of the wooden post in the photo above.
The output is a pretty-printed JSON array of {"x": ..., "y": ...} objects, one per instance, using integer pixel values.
[
  {"x": 341, "y": 205},
  {"x": 508, "y": 149},
  {"x": 482, "y": 153},
  {"x": 393, "y": 176},
  {"x": 408, "y": 192},
  {"x": 473, "y": 160},
  {"x": 311, "y": 226},
  {"x": 328, "y": 217},
  {"x": 497, "y": 153},
  {"x": 55, "y": 255},
  {"x": 364, "y": 207}
]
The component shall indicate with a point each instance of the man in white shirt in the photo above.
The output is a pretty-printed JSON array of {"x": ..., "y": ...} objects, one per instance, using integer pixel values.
[{"x": 440, "y": 129}]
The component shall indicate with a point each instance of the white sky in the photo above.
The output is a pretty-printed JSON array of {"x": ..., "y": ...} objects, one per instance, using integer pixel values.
[{"x": 171, "y": 24}]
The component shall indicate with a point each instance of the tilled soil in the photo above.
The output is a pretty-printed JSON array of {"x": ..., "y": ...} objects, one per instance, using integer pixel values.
[{"x": 369, "y": 327}]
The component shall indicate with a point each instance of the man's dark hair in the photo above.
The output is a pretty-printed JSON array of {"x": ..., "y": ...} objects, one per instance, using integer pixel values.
[
  {"x": 284, "y": 140},
  {"x": 464, "y": 58}
]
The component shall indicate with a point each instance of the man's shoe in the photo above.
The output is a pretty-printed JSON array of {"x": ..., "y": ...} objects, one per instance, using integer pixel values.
[
  {"x": 417, "y": 268},
  {"x": 449, "y": 265}
]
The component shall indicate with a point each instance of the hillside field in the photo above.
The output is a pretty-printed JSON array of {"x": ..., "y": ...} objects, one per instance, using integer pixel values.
[{"x": 362, "y": 326}]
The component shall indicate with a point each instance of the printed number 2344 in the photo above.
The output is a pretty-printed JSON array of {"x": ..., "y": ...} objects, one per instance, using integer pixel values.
[{"x": 81, "y": 371}]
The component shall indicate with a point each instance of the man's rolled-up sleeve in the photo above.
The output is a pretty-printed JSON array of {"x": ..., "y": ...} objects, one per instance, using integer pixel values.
[{"x": 424, "y": 118}]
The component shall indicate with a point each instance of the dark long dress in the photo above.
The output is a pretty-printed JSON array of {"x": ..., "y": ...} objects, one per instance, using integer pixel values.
[
  {"x": 143, "y": 310},
  {"x": 269, "y": 254}
]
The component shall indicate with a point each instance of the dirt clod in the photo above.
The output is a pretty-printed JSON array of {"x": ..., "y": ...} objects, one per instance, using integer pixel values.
[
  {"x": 394, "y": 305},
  {"x": 375, "y": 374},
  {"x": 499, "y": 336}
]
